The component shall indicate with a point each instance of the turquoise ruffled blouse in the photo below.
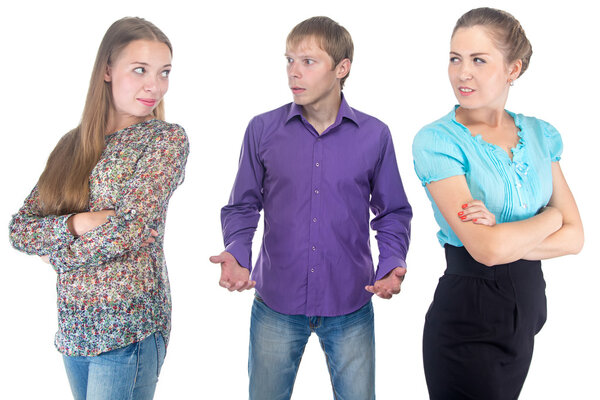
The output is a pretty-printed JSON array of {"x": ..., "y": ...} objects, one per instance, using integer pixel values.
[{"x": 512, "y": 190}]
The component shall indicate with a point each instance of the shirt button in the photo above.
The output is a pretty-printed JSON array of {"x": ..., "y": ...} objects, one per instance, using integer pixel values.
[
  {"x": 317, "y": 164},
  {"x": 312, "y": 270},
  {"x": 518, "y": 185},
  {"x": 314, "y": 220},
  {"x": 316, "y": 191},
  {"x": 524, "y": 206},
  {"x": 314, "y": 248}
]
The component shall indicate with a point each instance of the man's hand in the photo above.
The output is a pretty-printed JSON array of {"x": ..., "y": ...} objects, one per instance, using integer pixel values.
[
  {"x": 233, "y": 275},
  {"x": 389, "y": 285}
]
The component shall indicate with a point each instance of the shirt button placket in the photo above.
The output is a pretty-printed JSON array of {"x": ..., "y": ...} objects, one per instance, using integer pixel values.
[{"x": 314, "y": 253}]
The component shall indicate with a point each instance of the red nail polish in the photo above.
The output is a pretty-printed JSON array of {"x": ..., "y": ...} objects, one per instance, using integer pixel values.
[
  {"x": 465, "y": 205},
  {"x": 460, "y": 213},
  {"x": 474, "y": 219},
  {"x": 463, "y": 217}
]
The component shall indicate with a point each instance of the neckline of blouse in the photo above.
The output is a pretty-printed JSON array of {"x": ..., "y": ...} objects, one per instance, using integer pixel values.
[
  {"x": 112, "y": 135},
  {"x": 516, "y": 151}
]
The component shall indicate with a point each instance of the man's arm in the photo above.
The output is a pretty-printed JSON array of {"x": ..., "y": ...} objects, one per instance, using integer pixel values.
[
  {"x": 392, "y": 222},
  {"x": 239, "y": 218}
]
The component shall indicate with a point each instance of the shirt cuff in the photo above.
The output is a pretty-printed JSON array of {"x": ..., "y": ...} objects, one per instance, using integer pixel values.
[
  {"x": 385, "y": 266},
  {"x": 241, "y": 254},
  {"x": 61, "y": 231}
]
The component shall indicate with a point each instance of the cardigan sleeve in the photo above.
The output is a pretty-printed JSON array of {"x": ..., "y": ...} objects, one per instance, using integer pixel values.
[
  {"x": 158, "y": 173},
  {"x": 33, "y": 233}
]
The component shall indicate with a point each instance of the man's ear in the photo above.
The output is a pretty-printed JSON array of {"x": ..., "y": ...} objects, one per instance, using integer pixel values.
[{"x": 343, "y": 68}]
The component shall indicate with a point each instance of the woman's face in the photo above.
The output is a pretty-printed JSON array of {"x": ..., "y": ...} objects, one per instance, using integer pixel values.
[
  {"x": 478, "y": 72},
  {"x": 139, "y": 79}
]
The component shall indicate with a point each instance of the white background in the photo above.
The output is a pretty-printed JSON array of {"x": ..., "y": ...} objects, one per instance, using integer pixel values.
[{"x": 229, "y": 66}]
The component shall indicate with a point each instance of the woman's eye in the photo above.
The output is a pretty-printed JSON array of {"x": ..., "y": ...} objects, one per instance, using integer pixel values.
[
  {"x": 479, "y": 60},
  {"x": 454, "y": 60},
  {"x": 309, "y": 61},
  {"x": 139, "y": 70},
  {"x": 165, "y": 73}
]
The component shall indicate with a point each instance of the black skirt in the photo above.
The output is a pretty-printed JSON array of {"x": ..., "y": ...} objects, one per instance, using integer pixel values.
[{"x": 480, "y": 328}]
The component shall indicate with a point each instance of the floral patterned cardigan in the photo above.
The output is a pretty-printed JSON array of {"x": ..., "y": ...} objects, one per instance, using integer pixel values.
[{"x": 112, "y": 291}]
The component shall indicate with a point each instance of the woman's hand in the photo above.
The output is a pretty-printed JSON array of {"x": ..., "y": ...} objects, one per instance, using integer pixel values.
[
  {"x": 477, "y": 212},
  {"x": 84, "y": 222},
  {"x": 150, "y": 239}
]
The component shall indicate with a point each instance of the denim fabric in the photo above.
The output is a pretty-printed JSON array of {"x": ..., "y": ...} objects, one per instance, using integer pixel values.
[
  {"x": 277, "y": 343},
  {"x": 128, "y": 373}
]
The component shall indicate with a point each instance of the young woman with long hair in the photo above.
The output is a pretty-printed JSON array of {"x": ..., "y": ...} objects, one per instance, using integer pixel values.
[{"x": 97, "y": 215}]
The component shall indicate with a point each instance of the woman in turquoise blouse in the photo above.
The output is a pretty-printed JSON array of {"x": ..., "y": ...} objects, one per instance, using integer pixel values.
[{"x": 502, "y": 204}]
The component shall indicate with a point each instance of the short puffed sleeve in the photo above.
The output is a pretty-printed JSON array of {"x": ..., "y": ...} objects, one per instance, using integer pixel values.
[
  {"x": 436, "y": 155},
  {"x": 553, "y": 141}
]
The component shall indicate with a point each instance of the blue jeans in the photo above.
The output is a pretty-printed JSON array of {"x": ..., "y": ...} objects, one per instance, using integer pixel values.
[
  {"x": 277, "y": 343},
  {"x": 128, "y": 373}
]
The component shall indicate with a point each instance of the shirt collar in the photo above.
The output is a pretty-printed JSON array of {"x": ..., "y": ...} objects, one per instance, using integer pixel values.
[{"x": 345, "y": 111}]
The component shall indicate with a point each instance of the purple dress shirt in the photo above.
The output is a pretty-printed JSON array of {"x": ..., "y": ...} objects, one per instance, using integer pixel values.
[{"x": 316, "y": 191}]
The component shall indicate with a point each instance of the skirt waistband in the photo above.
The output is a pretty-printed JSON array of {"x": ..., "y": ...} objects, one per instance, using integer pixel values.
[{"x": 460, "y": 262}]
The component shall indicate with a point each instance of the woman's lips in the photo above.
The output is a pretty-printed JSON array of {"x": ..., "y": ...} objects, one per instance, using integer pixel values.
[
  {"x": 465, "y": 91},
  {"x": 147, "y": 102}
]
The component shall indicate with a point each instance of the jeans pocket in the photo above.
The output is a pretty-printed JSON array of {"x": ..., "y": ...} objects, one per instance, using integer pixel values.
[{"x": 160, "y": 351}]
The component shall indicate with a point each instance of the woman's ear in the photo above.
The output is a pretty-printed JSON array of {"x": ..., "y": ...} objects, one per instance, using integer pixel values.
[
  {"x": 107, "y": 76},
  {"x": 514, "y": 70}
]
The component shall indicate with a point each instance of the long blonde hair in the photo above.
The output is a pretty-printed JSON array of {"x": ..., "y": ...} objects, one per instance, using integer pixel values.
[{"x": 64, "y": 185}]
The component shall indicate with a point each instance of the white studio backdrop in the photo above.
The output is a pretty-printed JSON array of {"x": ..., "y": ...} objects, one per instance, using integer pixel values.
[{"x": 228, "y": 66}]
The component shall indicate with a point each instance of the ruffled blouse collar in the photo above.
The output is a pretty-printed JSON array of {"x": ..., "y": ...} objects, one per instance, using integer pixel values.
[{"x": 517, "y": 151}]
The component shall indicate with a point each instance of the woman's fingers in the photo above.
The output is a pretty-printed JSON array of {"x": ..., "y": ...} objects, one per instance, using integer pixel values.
[{"x": 477, "y": 212}]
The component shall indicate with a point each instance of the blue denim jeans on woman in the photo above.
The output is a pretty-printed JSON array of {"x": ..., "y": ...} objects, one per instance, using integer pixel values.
[
  {"x": 277, "y": 343},
  {"x": 128, "y": 373}
]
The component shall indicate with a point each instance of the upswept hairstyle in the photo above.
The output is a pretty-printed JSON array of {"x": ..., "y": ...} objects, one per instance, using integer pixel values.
[
  {"x": 504, "y": 29},
  {"x": 333, "y": 38},
  {"x": 64, "y": 185}
]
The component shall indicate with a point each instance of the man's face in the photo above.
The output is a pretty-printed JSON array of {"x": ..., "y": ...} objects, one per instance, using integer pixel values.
[{"x": 312, "y": 77}]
